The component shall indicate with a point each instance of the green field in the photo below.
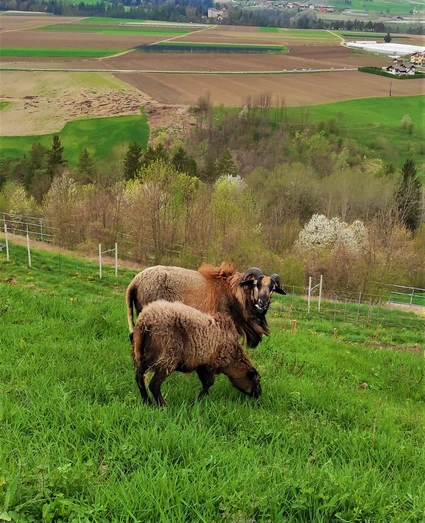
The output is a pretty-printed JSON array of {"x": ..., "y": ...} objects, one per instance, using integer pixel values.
[
  {"x": 77, "y": 444},
  {"x": 389, "y": 6},
  {"x": 127, "y": 30},
  {"x": 33, "y": 52},
  {"x": 4, "y": 105},
  {"x": 376, "y": 123},
  {"x": 358, "y": 35},
  {"x": 302, "y": 34},
  {"x": 104, "y": 138}
]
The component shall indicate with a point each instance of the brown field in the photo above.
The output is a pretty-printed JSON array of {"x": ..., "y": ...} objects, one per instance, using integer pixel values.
[
  {"x": 296, "y": 89},
  {"x": 77, "y": 40},
  {"x": 42, "y": 102},
  {"x": 298, "y": 57},
  {"x": 28, "y": 21}
]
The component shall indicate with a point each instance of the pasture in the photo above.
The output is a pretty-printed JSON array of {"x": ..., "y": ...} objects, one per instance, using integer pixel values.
[
  {"x": 338, "y": 434},
  {"x": 104, "y": 138}
]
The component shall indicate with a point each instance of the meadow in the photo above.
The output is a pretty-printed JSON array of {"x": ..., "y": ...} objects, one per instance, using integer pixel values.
[
  {"x": 385, "y": 7},
  {"x": 302, "y": 34},
  {"x": 376, "y": 123},
  {"x": 129, "y": 30},
  {"x": 338, "y": 434},
  {"x": 104, "y": 138},
  {"x": 195, "y": 47}
]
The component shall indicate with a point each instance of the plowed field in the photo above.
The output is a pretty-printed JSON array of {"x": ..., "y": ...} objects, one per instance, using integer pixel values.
[
  {"x": 27, "y": 21},
  {"x": 296, "y": 89},
  {"x": 298, "y": 57}
]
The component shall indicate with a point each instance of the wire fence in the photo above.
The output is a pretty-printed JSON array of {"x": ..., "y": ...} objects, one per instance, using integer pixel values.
[{"x": 309, "y": 303}]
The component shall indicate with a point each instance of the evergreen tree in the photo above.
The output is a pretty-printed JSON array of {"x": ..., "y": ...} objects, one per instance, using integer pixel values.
[
  {"x": 85, "y": 167},
  {"x": 210, "y": 173},
  {"x": 184, "y": 163},
  {"x": 226, "y": 165},
  {"x": 132, "y": 160},
  {"x": 387, "y": 38},
  {"x": 56, "y": 154},
  {"x": 155, "y": 154},
  {"x": 409, "y": 196}
]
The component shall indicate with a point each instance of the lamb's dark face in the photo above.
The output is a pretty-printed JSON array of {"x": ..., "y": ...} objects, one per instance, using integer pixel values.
[
  {"x": 248, "y": 382},
  {"x": 262, "y": 289}
]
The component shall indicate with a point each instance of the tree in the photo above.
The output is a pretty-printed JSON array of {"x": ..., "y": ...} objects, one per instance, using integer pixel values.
[
  {"x": 226, "y": 165},
  {"x": 184, "y": 163},
  {"x": 56, "y": 154},
  {"x": 387, "y": 38},
  {"x": 408, "y": 196},
  {"x": 209, "y": 174},
  {"x": 85, "y": 167},
  {"x": 132, "y": 160}
]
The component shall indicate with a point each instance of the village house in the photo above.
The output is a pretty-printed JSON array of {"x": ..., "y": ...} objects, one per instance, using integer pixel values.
[
  {"x": 418, "y": 58},
  {"x": 400, "y": 69},
  {"x": 217, "y": 14}
]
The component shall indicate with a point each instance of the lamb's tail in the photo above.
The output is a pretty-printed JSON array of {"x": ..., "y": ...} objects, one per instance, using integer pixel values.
[
  {"x": 140, "y": 339},
  {"x": 129, "y": 299}
]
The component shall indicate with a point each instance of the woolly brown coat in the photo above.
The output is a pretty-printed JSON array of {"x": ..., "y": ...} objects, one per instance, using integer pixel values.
[
  {"x": 173, "y": 336},
  {"x": 209, "y": 289}
]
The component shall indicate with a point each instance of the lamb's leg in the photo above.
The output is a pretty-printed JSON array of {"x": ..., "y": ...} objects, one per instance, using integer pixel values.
[
  {"x": 155, "y": 386},
  {"x": 207, "y": 377},
  {"x": 140, "y": 380}
]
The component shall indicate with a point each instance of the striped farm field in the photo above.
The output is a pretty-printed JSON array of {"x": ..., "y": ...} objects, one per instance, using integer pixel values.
[
  {"x": 40, "y": 52},
  {"x": 114, "y": 30},
  {"x": 185, "y": 47},
  {"x": 302, "y": 34}
]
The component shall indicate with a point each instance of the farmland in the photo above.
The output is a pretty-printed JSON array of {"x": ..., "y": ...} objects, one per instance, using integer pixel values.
[{"x": 337, "y": 435}]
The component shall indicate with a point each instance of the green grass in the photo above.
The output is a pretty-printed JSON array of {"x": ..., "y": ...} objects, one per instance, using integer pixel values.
[
  {"x": 394, "y": 7},
  {"x": 189, "y": 47},
  {"x": 77, "y": 444},
  {"x": 358, "y": 35},
  {"x": 376, "y": 123},
  {"x": 3, "y": 105},
  {"x": 104, "y": 138},
  {"x": 32, "y": 52},
  {"x": 303, "y": 34},
  {"x": 128, "y": 30}
]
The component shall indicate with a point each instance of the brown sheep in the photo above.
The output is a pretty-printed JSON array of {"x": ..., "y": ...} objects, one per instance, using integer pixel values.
[
  {"x": 171, "y": 336},
  {"x": 245, "y": 297}
]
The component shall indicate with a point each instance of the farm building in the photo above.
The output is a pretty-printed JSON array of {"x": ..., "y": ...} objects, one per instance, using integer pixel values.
[
  {"x": 418, "y": 58},
  {"x": 400, "y": 69},
  {"x": 218, "y": 14}
]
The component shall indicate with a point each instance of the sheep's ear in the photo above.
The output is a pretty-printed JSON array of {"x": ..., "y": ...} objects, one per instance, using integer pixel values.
[
  {"x": 247, "y": 282},
  {"x": 251, "y": 374}
]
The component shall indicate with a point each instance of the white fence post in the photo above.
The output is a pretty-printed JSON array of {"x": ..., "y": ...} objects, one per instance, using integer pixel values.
[
  {"x": 309, "y": 295},
  {"x": 116, "y": 259},
  {"x": 100, "y": 261},
  {"x": 320, "y": 292},
  {"x": 7, "y": 241},
  {"x": 28, "y": 247}
]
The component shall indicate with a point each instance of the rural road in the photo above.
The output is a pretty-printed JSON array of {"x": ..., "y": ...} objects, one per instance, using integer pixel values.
[{"x": 10, "y": 67}]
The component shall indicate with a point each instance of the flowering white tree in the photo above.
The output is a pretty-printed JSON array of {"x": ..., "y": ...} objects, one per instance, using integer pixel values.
[{"x": 321, "y": 231}]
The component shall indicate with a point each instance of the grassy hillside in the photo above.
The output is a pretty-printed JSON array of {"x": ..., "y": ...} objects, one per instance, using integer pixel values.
[
  {"x": 375, "y": 123},
  {"x": 77, "y": 444},
  {"x": 103, "y": 138}
]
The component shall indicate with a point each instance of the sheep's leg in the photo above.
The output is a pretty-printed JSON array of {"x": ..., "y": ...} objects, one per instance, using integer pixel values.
[
  {"x": 140, "y": 380},
  {"x": 207, "y": 377},
  {"x": 155, "y": 386}
]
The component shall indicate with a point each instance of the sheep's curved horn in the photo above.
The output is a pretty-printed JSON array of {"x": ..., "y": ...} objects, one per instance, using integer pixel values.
[
  {"x": 278, "y": 287},
  {"x": 276, "y": 278},
  {"x": 253, "y": 271}
]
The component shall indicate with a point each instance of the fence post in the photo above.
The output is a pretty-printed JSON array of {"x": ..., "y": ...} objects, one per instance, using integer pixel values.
[
  {"x": 412, "y": 295},
  {"x": 320, "y": 293},
  {"x": 28, "y": 247},
  {"x": 294, "y": 326},
  {"x": 7, "y": 241},
  {"x": 100, "y": 261},
  {"x": 41, "y": 229},
  {"x": 116, "y": 259},
  {"x": 309, "y": 295}
]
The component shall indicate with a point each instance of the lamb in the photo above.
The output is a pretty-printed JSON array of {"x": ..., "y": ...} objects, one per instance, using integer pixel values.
[
  {"x": 244, "y": 296},
  {"x": 171, "y": 336}
]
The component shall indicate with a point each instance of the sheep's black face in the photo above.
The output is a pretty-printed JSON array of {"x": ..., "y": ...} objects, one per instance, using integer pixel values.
[
  {"x": 249, "y": 384},
  {"x": 262, "y": 290}
]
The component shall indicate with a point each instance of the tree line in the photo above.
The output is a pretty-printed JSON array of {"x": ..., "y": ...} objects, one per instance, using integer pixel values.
[{"x": 242, "y": 186}]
